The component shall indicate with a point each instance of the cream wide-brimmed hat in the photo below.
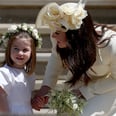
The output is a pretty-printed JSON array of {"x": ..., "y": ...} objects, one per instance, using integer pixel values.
[{"x": 62, "y": 17}]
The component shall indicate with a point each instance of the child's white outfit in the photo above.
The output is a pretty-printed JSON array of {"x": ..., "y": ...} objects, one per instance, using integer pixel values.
[{"x": 18, "y": 86}]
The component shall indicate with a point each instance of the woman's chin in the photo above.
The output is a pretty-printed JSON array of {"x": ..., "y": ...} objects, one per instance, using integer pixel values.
[{"x": 61, "y": 46}]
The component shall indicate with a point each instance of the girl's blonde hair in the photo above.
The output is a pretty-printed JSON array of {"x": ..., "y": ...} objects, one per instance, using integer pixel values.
[
  {"x": 30, "y": 65},
  {"x": 21, "y": 31}
]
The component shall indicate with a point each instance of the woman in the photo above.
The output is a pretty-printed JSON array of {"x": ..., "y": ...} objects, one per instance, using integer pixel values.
[{"x": 88, "y": 51}]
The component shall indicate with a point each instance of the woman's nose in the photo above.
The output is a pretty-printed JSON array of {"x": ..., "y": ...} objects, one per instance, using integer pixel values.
[{"x": 53, "y": 36}]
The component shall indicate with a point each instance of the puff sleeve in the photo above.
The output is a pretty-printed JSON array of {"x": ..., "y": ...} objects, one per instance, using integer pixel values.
[{"x": 5, "y": 80}]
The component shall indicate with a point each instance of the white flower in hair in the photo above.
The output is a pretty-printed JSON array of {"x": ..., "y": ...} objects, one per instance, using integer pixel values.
[
  {"x": 24, "y": 27},
  {"x": 12, "y": 28},
  {"x": 31, "y": 28},
  {"x": 35, "y": 31},
  {"x": 17, "y": 28}
]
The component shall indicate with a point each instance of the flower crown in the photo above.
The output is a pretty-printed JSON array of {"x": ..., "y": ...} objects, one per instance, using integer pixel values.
[
  {"x": 17, "y": 28},
  {"x": 64, "y": 17}
]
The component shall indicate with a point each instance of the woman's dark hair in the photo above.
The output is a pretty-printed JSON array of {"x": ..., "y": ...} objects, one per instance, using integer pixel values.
[{"x": 80, "y": 53}]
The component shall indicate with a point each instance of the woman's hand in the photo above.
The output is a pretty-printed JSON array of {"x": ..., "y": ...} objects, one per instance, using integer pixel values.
[
  {"x": 39, "y": 101},
  {"x": 40, "y": 97},
  {"x": 78, "y": 93}
]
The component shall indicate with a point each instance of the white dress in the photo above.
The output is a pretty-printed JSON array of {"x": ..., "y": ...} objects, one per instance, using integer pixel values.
[
  {"x": 18, "y": 86},
  {"x": 101, "y": 92}
]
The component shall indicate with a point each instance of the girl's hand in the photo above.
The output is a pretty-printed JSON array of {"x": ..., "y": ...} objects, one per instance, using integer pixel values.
[{"x": 39, "y": 101}]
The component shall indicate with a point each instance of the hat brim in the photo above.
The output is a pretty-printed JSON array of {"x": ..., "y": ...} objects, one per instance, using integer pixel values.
[{"x": 39, "y": 20}]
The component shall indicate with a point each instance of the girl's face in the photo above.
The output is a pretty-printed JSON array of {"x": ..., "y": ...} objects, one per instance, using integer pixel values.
[
  {"x": 61, "y": 39},
  {"x": 20, "y": 52}
]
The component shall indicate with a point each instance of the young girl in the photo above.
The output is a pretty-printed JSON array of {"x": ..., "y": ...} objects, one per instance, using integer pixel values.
[{"x": 17, "y": 77}]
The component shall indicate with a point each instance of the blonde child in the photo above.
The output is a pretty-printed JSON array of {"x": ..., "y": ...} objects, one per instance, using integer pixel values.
[{"x": 17, "y": 76}]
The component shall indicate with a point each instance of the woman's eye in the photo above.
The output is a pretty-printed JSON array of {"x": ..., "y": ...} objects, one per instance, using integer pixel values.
[{"x": 57, "y": 33}]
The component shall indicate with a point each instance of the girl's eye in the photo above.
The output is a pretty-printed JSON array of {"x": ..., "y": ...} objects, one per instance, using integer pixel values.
[
  {"x": 25, "y": 50},
  {"x": 16, "y": 49}
]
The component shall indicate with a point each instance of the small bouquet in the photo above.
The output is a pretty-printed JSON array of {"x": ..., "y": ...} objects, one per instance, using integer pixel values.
[{"x": 64, "y": 101}]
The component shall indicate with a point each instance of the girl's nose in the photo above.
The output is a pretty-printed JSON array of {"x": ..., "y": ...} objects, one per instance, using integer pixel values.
[{"x": 20, "y": 52}]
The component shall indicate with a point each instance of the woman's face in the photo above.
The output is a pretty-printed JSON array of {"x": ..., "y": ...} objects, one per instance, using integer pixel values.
[
  {"x": 20, "y": 52},
  {"x": 61, "y": 39}
]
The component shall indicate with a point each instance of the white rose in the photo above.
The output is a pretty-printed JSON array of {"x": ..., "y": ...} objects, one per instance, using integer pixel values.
[
  {"x": 12, "y": 28},
  {"x": 24, "y": 27},
  {"x": 35, "y": 31},
  {"x": 73, "y": 15},
  {"x": 75, "y": 106},
  {"x": 36, "y": 36},
  {"x": 31, "y": 28},
  {"x": 53, "y": 12},
  {"x": 76, "y": 21},
  {"x": 68, "y": 8}
]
